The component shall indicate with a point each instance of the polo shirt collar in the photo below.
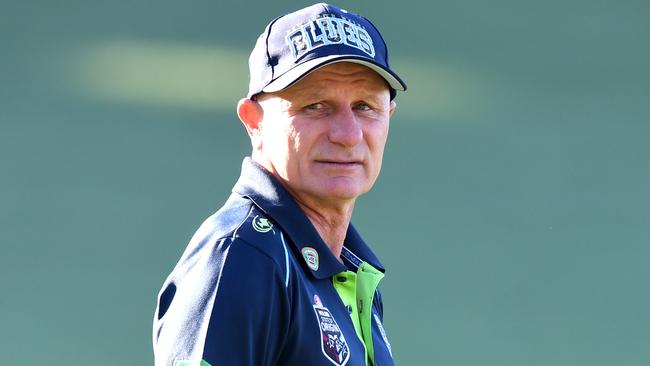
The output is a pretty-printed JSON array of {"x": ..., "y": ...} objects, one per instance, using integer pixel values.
[{"x": 261, "y": 187}]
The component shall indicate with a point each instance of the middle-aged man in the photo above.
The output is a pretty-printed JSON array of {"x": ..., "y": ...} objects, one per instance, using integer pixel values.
[{"x": 279, "y": 276}]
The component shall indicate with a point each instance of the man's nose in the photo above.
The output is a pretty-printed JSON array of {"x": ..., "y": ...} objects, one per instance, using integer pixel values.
[{"x": 345, "y": 128}]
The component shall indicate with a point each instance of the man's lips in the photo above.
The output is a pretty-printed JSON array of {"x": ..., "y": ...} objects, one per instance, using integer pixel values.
[{"x": 341, "y": 163}]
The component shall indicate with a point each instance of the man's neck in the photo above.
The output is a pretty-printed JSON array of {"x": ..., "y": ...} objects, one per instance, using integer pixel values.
[{"x": 332, "y": 225}]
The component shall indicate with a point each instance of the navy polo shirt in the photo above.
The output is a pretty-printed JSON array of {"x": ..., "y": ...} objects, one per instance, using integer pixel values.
[{"x": 255, "y": 287}]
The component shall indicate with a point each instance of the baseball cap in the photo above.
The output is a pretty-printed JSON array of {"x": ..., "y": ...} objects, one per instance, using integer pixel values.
[{"x": 295, "y": 44}]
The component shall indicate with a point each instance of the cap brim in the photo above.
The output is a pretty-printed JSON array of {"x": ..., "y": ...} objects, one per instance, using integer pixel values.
[{"x": 297, "y": 73}]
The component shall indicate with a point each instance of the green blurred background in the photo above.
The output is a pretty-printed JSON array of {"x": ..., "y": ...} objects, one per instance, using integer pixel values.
[{"x": 512, "y": 211}]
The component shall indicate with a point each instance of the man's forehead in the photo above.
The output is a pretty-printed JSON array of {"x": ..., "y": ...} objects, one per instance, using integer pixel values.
[
  {"x": 345, "y": 67},
  {"x": 355, "y": 76}
]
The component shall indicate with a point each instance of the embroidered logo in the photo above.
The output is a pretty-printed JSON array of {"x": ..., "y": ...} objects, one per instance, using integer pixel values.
[
  {"x": 383, "y": 334},
  {"x": 333, "y": 343},
  {"x": 311, "y": 258},
  {"x": 262, "y": 224},
  {"x": 327, "y": 31}
]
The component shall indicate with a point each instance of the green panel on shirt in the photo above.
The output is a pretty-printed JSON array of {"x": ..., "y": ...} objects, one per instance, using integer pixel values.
[
  {"x": 191, "y": 363},
  {"x": 357, "y": 291}
]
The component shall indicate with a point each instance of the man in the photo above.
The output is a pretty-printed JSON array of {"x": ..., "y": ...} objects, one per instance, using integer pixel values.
[{"x": 279, "y": 276}]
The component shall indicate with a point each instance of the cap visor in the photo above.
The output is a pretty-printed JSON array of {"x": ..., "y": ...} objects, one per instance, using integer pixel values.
[{"x": 297, "y": 73}]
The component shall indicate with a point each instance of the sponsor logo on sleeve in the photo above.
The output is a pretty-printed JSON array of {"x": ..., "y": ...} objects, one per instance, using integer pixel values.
[{"x": 262, "y": 224}]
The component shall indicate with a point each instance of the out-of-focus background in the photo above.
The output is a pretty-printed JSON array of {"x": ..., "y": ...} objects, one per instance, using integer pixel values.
[{"x": 513, "y": 210}]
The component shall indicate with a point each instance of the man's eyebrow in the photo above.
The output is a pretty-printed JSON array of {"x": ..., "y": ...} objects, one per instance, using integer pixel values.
[
  {"x": 303, "y": 94},
  {"x": 311, "y": 94},
  {"x": 372, "y": 97}
]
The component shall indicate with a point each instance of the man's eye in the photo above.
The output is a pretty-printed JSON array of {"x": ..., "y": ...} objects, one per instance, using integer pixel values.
[
  {"x": 362, "y": 107},
  {"x": 314, "y": 107}
]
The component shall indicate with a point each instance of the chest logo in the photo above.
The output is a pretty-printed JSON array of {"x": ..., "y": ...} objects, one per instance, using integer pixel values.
[
  {"x": 311, "y": 258},
  {"x": 333, "y": 343},
  {"x": 262, "y": 224}
]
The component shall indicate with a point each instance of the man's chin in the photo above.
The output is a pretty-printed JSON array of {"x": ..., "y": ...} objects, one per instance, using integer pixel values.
[{"x": 344, "y": 189}]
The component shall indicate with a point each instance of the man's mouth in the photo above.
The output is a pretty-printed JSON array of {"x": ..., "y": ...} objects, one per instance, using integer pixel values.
[{"x": 340, "y": 163}]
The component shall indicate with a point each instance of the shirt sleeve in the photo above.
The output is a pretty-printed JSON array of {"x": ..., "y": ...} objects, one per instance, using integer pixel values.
[{"x": 231, "y": 308}]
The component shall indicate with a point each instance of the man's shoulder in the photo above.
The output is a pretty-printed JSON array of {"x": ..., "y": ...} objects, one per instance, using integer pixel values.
[
  {"x": 236, "y": 255},
  {"x": 238, "y": 223}
]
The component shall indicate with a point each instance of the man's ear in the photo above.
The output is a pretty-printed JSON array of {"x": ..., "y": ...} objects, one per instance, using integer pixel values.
[
  {"x": 250, "y": 114},
  {"x": 392, "y": 108}
]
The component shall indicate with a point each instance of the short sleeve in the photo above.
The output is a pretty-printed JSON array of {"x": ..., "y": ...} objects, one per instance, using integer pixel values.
[{"x": 230, "y": 307}]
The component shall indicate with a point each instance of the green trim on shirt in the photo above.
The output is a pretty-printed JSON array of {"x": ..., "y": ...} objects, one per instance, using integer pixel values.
[
  {"x": 367, "y": 280},
  {"x": 191, "y": 363},
  {"x": 357, "y": 291}
]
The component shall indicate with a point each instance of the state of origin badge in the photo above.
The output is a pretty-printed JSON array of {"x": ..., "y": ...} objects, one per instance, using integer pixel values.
[{"x": 333, "y": 343}]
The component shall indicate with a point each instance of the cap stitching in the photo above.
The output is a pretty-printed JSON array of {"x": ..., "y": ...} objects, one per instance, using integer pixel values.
[{"x": 268, "y": 55}]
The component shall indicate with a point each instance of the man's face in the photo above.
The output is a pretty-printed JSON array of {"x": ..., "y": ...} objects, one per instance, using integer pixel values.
[{"x": 324, "y": 137}]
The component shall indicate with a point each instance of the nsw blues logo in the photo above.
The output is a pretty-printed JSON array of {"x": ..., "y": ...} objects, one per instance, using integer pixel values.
[
  {"x": 333, "y": 343},
  {"x": 327, "y": 31}
]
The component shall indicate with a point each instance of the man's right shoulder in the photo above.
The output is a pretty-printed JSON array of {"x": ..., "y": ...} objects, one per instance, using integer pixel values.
[
  {"x": 238, "y": 223},
  {"x": 237, "y": 255}
]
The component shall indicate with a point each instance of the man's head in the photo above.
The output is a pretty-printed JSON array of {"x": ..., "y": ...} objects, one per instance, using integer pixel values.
[
  {"x": 321, "y": 128},
  {"x": 297, "y": 43}
]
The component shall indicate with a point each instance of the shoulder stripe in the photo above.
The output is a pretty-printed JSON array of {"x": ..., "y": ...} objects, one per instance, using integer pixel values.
[
  {"x": 286, "y": 260},
  {"x": 234, "y": 233},
  {"x": 224, "y": 249},
  {"x": 220, "y": 248}
]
